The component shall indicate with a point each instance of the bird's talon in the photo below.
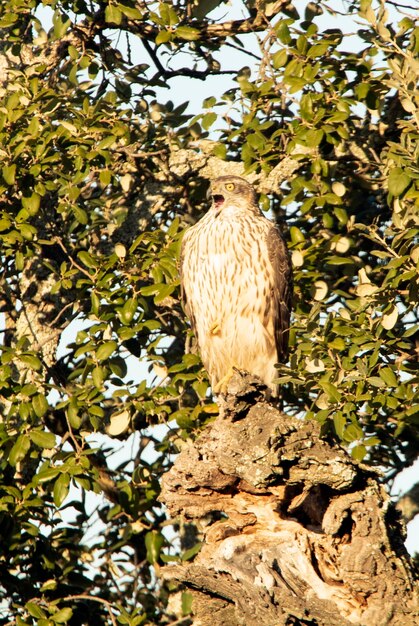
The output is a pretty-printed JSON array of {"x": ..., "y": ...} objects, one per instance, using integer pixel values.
[{"x": 222, "y": 385}]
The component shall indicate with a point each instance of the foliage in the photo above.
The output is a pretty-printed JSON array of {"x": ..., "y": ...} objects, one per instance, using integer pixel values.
[{"x": 93, "y": 204}]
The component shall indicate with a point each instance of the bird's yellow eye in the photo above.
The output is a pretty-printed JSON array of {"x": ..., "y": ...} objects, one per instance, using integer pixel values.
[{"x": 230, "y": 186}]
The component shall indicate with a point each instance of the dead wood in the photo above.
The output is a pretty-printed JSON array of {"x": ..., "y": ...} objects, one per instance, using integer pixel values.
[{"x": 294, "y": 530}]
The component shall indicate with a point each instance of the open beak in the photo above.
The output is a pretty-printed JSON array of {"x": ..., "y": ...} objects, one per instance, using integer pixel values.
[{"x": 218, "y": 200}]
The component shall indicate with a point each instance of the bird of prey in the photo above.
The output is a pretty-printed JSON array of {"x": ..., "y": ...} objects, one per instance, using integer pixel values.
[{"x": 236, "y": 285}]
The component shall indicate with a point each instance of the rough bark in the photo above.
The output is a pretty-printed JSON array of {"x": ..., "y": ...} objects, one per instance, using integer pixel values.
[{"x": 294, "y": 530}]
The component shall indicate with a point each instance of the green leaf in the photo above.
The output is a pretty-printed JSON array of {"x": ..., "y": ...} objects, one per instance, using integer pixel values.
[
  {"x": 341, "y": 214},
  {"x": 173, "y": 228},
  {"x": 5, "y": 224},
  {"x": 339, "y": 421},
  {"x": 317, "y": 50},
  {"x": 297, "y": 236},
  {"x": 118, "y": 366},
  {"x": 279, "y": 59},
  {"x": 220, "y": 151},
  {"x": 208, "y": 120},
  {"x": 27, "y": 231},
  {"x": 107, "y": 142},
  {"x": 337, "y": 260},
  {"x": 19, "y": 449},
  {"x": 358, "y": 452},
  {"x": 256, "y": 140},
  {"x": 283, "y": 32},
  {"x": 127, "y": 312},
  {"x": 105, "y": 177},
  {"x": 372, "y": 441},
  {"x": 80, "y": 214},
  {"x": 201, "y": 388},
  {"x": 331, "y": 390},
  {"x": 74, "y": 414},
  {"x": 189, "y": 554},
  {"x": 19, "y": 260},
  {"x": 353, "y": 433},
  {"x": 49, "y": 585},
  {"x": 130, "y": 12},
  {"x": 31, "y": 360},
  {"x": 113, "y": 14},
  {"x": 376, "y": 381},
  {"x": 46, "y": 474},
  {"x": 43, "y": 439},
  {"x": 313, "y": 138},
  {"x": 35, "y": 610},
  {"x": 32, "y": 203},
  {"x": 388, "y": 376},
  {"x": 187, "y": 600},
  {"x": 160, "y": 290},
  {"x": 9, "y": 174},
  {"x": 87, "y": 259},
  {"x": 150, "y": 290},
  {"x": 62, "y": 617},
  {"x": 306, "y": 107},
  {"x": 168, "y": 14},
  {"x": 164, "y": 292},
  {"x": 154, "y": 542},
  {"x": 188, "y": 33},
  {"x": 163, "y": 37},
  {"x": 61, "y": 489},
  {"x": 105, "y": 350},
  {"x": 40, "y": 405},
  {"x": 398, "y": 181},
  {"x": 98, "y": 376},
  {"x": 60, "y": 25},
  {"x": 95, "y": 303}
]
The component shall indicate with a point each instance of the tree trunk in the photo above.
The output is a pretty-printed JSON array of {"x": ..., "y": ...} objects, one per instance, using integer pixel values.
[{"x": 294, "y": 530}]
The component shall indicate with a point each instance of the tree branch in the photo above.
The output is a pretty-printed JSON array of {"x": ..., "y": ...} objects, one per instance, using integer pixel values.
[
  {"x": 408, "y": 504},
  {"x": 83, "y": 35}
]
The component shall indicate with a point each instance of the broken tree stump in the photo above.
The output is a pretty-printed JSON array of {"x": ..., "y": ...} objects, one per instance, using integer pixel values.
[{"x": 294, "y": 530}]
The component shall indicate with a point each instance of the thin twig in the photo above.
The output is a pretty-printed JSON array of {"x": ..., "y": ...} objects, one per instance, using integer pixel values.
[
  {"x": 82, "y": 596},
  {"x": 74, "y": 263}
]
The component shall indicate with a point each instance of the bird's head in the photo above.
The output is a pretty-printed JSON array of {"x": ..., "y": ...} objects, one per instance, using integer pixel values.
[{"x": 232, "y": 191}]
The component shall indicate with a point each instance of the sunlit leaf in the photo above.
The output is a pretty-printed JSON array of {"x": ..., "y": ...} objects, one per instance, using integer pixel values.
[
  {"x": 42, "y": 439},
  {"x": 40, "y": 404},
  {"x": 359, "y": 452},
  {"x": 119, "y": 423},
  {"x": 62, "y": 616},
  {"x": 389, "y": 318},
  {"x": 113, "y": 14},
  {"x": 61, "y": 489},
  {"x": 188, "y": 33},
  {"x": 398, "y": 181},
  {"x": 19, "y": 450},
  {"x": 105, "y": 350},
  {"x": 388, "y": 376},
  {"x": 9, "y": 173}
]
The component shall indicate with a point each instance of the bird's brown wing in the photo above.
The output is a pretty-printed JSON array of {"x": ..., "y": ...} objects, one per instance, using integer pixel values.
[
  {"x": 183, "y": 274},
  {"x": 282, "y": 289}
]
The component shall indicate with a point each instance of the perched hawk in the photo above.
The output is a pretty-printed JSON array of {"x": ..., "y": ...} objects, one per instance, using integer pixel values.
[{"x": 236, "y": 285}]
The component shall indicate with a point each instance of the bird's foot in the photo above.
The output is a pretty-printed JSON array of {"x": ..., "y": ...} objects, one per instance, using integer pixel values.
[{"x": 222, "y": 385}]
